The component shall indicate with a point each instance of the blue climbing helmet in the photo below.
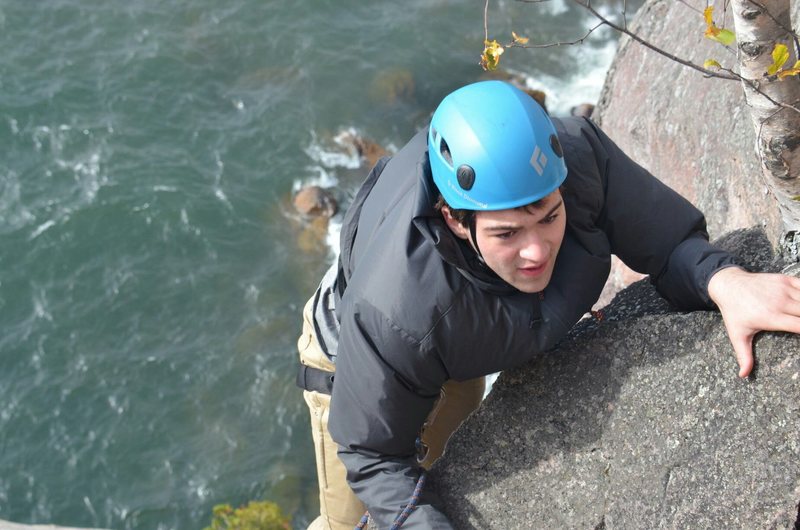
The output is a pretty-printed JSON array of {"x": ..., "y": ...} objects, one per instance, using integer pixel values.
[{"x": 493, "y": 147}]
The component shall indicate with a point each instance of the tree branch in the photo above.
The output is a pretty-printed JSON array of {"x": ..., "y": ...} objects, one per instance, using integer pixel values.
[
  {"x": 754, "y": 85},
  {"x": 552, "y": 44},
  {"x": 588, "y": 6}
]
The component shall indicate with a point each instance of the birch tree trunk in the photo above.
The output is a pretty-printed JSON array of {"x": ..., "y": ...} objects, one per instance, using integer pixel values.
[{"x": 760, "y": 24}]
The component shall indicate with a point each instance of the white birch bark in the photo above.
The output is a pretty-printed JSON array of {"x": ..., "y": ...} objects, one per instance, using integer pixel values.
[{"x": 759, "y": 25}]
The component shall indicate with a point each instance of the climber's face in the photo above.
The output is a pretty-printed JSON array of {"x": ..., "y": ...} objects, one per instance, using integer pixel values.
[{"x": 519, "y": 244}]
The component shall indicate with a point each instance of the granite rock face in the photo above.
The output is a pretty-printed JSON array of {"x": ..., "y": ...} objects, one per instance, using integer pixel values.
[
  {"x": 693, "y": 133},
  {"x": 636, "y": 421}
]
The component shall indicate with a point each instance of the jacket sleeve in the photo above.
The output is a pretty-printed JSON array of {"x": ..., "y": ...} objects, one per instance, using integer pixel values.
[
  {"x": 653, "y": 229},
  {"x": 383, "y": 391}
]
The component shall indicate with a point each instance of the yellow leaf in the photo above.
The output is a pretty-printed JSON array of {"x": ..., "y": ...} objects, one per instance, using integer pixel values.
[
  {"x": 794, "y": 70},
  {"x": 711, "y": 63},
  {"x": 723, "y": 36},
  {"x": 711, "y": 32},
  {"x": 707, "y": 14},
  {"x": 780, "y": 54},
  {"x": 518, "y": 39},
  {"x": 491, "y": 55}
]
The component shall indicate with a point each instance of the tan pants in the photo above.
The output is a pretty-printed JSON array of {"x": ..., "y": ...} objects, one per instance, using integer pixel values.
[{"x": 338, "y": 505}]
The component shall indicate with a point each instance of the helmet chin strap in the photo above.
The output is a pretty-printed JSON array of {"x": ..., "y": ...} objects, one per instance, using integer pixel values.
[{"x": 474, "y": 236}]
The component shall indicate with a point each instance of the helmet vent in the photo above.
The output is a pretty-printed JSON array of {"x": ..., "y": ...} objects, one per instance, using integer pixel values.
[
  {"x": 556, "y": 145},
  {"x": 444, "y": 149}
]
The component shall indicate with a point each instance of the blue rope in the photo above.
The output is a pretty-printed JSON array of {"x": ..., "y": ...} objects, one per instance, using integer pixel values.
[
  {"x": 398, "y": 522},
  {"x": 363, "y": 522},
  {"x": 411, "y": 504}
]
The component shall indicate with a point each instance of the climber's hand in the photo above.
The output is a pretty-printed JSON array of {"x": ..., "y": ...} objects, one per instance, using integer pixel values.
[{"x": 753, "y": 302}]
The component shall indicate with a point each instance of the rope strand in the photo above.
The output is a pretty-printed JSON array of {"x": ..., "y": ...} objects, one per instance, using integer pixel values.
[{"x": 398, "y": 522}]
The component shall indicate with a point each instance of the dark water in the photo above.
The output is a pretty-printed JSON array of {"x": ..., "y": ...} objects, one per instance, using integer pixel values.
[{"x": 151, "y": 270}]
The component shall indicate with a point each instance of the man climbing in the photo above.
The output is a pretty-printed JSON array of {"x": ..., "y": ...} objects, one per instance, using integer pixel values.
[{"x": 473, "y": 249}]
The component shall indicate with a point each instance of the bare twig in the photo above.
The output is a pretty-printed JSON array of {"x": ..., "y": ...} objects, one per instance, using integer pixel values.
[
  {"x": 723, "y": 73},
  {"x": 566, "y": 43},
  {"x": 486, "y": 21},
  {"x": 754, "y": 85},
  {"x": 690, "y": 6},
  {"x": 588, "y": 6},
  {"x": 625, "y": 14}
]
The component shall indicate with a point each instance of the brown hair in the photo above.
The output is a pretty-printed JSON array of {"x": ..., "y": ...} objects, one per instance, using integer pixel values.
[{"x": 465, "y": 217}]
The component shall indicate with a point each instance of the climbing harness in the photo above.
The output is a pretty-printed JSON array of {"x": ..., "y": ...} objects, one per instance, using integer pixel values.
[
  {"x": 314, "y": 379},
  {"x": 398, "y": 522}
]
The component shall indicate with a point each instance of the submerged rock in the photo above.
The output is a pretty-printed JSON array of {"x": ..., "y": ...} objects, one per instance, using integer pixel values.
[
  {"x": 368, "y": 151},
  {"x": 392, "y": 86},
  {"x": 636, "y": 421},
  {"x": 312, "y": 236},
  {"x": 314, "y": 201}
]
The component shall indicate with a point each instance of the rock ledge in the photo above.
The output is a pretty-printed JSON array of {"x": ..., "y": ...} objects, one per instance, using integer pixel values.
[{"x": 638, "y": 421}]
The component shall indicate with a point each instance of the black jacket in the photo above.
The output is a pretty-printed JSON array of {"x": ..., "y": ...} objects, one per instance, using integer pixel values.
[{"x": 417, "y": 308}]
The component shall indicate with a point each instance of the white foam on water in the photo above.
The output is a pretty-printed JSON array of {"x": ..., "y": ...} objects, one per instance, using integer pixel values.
[
  {"x": 318, "y": 176},
  {"x": 553, "y": 7},
  {"x": 3, "y": 491},
  {"x": 66, "y": 151},
  {"x": 39, "y": 134},
  {"x": 86, "y": 171},
  {"x": 338, "y": 154},
  {"x": 199, "y": 488},
  {"x": 251, "y": 293},
  {"x": 40, "y": 305},
  {"x": 219, "y": 193},
  {"x": 343, "y": 156},
  {"x": 13, "y": 213},
  {"x": 114, "y": 278},
  {"x": 88, "y": 503},
  {"x": 327, "y": 158},
  {"x": 583, "y": 86},
  {"x": 11, "y": 405},
  {"x": 115, "y": 405},
  {"x": 332, "y": 237},
  {"x": 40, "y": 229}
]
